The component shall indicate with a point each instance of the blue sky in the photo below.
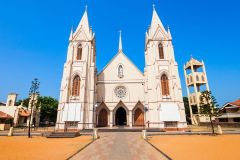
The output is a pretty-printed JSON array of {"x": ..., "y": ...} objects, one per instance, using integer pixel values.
[{"x": 34, "y": 39}]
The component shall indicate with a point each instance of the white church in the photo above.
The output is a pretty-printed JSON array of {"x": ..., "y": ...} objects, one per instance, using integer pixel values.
[{"x": 121, "y": 94}]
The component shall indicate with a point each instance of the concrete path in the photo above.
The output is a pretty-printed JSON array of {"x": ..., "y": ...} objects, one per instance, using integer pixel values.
[{"x": 119, "y": 146}]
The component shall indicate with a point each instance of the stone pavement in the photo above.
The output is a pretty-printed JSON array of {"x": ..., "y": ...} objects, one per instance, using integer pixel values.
[{"x": 119, "y": 146}]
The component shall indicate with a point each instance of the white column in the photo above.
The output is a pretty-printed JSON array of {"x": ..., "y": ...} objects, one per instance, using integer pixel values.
[
  {"x": 204, "y": 70},
  {"x": 111, "y": 119},
  {"x": 130, "y": 119},
  {"x": 90, "y": 117}
]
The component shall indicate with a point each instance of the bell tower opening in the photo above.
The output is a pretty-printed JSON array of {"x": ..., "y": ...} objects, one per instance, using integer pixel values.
[{"x": 121, "y": 117}]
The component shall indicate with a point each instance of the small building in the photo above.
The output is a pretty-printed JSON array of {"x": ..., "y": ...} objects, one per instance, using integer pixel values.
[
  {"x": 11, "y": 114},
  {"x": 230, "y": 113},
  {"x": 5, "y": 121}
]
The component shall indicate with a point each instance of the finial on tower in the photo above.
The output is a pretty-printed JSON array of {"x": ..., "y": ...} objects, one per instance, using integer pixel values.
[
  {"x": 153, "y": 6},
  {"x": 71, "y": 34},
  {"x": 120, "y": 41},
  {"x": 86, "y": 8},
  {"x": 169, "y": 33}
]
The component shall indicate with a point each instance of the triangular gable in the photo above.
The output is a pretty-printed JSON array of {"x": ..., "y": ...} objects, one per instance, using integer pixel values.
[
  {"x": 126, "y": 63},
  {"x": 81, "y": 35}
]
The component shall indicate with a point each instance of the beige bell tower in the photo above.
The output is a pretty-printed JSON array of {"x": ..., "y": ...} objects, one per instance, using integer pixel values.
[
  {"x": 11, "y": 99},
  {"x": 196, "y": 82}
]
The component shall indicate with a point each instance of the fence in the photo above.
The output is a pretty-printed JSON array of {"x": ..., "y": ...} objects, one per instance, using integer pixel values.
[
  {"x": 34, "y": 129},
  {"x": 222, "y": 124}
]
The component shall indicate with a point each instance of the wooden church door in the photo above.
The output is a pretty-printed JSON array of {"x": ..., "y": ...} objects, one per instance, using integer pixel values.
[
  {"x": 139, "y": 118},
  {"x": 103, "y": 118}
]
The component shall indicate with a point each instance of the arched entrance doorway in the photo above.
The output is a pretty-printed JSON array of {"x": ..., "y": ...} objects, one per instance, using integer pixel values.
[
  {"x": 139, "y": 117},
  {"x": 121, "y": 117},
  {"x": 103, "y": 118}
]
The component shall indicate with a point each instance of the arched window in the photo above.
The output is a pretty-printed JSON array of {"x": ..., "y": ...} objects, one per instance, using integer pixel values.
[
  {"x": 120, "y": 71},
  {"x": 10, "y": 103},
  {"x": 187, "y": 81},
  {"x": 191, "y": 79},
  {"x": 203, "y": 79},
  {"x": 197, "y": 78},
  {"x": 79, "y": 52},
  {"x": 160, "y": 50},
  {"x": 76, "y": 86},
  {"x": 165, "y": 85}
]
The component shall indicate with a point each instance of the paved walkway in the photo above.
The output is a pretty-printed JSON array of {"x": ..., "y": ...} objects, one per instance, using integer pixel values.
[{"x": 119, "y": 146}]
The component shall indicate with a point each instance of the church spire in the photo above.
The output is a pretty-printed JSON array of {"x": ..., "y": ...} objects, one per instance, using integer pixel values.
[
  {"x": 120, "y": 41},
  {"x": 84, "y": 24},
  {"x": 156, "y": 24},
  {"x": 155, "y": 18}
]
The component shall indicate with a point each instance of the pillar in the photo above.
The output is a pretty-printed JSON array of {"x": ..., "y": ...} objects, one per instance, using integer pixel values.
[
  {"x": 130, "y": 119},
  {"x": 195, "y": 87},
  {"x": 111, "y": 119}
]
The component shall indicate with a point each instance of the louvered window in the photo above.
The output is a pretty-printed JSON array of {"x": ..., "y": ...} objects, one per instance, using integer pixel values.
[
  {"x": 165, "y": 85},
  {"x": 76, "y": 86}
]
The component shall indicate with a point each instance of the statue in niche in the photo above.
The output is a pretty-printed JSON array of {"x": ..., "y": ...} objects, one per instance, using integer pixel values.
[{"x": 120, "y": 71}]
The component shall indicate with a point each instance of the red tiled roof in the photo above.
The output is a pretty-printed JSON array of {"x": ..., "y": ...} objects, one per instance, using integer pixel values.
[
  {"x": 236, "y": 103},
  {"x": 2, "y": 104},
  {"x": 5, "y": 115},
  {"x": 24, "y": 113}
]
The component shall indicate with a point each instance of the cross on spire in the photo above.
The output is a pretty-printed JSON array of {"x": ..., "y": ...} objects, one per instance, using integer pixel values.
[{"x": 191, "y": 56}]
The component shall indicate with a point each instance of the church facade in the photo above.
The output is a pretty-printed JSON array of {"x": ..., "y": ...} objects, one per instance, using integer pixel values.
[{"x": 121, "y": 95}]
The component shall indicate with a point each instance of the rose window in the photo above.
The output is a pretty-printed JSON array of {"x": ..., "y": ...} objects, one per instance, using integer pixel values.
[{"x": 120, "y": 92}]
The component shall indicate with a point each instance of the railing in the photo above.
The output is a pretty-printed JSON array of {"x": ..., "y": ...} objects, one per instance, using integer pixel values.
[
  {"x": 34, "y": 129},
  {"x": 201, "y": 78},
  {"x": 222, "y": 124},
  {"x": 154, "y": 123},
  {"x": 68, "y": 128},
  {"x": 230, "y": 115},
  {"x": 158, "y": 123}
]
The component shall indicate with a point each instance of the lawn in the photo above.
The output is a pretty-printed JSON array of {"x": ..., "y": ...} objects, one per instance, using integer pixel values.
[
  {"x": 199, "y": 147},
  {"x": 39, "y": 148}
]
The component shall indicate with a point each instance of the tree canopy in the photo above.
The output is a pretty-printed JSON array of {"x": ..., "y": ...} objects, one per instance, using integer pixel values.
[
  {"x": 48, "y": 106},
  {"x": 187, "y": 109},
  {"x": 209, "y": 106}
]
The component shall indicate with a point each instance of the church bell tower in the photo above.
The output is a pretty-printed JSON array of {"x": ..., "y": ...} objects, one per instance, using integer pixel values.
[
  {"x": 79, "y": 79},
  {"x": 162, "y": 82}
]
